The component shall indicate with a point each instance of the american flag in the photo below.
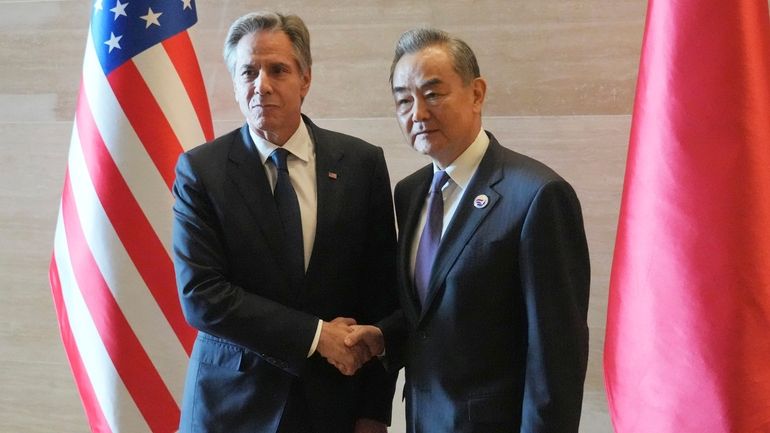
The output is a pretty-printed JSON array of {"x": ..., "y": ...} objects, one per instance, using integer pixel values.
[{"x": 142, "y": 102}]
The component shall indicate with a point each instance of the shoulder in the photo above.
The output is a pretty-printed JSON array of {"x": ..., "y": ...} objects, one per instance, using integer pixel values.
[
  {"x": 413, "y": 180},
  {"x": 408, "y": 185},
  {"x": 522, "y": 170},
  {"x": 218, "y": 145},
  {"x": 208, "y": 159},
  {"x": 341, "y": 142},
  {"x": 524, "y": 179}
]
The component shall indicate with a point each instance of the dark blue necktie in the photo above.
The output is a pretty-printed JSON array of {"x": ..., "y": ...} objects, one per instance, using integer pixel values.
[
  {"x": 431, "y": 236},
  {"x": 288, "y": 209}
]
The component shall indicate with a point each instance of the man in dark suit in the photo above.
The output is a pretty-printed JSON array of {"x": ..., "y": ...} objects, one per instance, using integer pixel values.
[
  {"x": 492, "y": 264},
  {"x": 283, "y": 238}
]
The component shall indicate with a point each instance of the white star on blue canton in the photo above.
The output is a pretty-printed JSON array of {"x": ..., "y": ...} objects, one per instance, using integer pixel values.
[
  {"x": 119, "y": 9},
  {"x": 151, "y": 18},
  {"x": 186, "y": 4},
  {"x": 113, "y": 42}
]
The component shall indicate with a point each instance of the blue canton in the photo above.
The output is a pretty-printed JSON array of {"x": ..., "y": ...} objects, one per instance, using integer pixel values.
[{"x": 122, "y": 30}]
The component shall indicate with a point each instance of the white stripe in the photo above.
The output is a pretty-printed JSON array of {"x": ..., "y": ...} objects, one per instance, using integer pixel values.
[
  {"x": 116, "y": 403},
  {"x": 140, "y": 173},
  {"x": 164, "y": 83},
  {"x": 125, "y": 283}
]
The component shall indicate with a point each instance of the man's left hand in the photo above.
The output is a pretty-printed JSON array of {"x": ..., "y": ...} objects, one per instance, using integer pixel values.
[{"x": 367, "y": 336}]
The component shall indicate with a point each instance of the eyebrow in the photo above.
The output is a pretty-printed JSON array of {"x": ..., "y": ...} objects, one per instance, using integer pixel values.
[
  {"x": 258, "y": 65},
  {"x": 430, "y": 83}
]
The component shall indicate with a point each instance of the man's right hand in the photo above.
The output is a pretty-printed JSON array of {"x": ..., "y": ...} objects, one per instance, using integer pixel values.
[
  {"x": 331, "y": 345},
  {"x": 367, "y": 336}
]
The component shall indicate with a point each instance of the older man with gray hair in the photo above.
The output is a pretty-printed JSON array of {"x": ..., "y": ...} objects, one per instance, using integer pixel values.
[
  {"x": 492, "y": 266},
  {"x": 283, "y": 239}
]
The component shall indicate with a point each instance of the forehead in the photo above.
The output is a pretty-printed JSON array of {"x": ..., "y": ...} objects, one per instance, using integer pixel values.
[
  {"x": 266, "y": 44},
  {"x": 430, "y": 65}
]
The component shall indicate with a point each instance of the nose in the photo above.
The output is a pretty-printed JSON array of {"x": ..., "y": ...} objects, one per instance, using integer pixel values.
[
  {"x": 420, "y": 111},
  {"x": 262, "y": 84}
]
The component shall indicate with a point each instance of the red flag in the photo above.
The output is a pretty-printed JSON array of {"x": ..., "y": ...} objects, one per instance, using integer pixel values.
[
  {"x": 142, "y": 102},
  {"x": 688, "y": 328}
]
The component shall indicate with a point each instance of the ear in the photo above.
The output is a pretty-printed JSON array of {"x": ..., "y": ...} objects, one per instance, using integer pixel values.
[
  {"x": 479, "y": 93},
  {"x": 306, "y": 78},
  {"x": 235, "y": 85}
]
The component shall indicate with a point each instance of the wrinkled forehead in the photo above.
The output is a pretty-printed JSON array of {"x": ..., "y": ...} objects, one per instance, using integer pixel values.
[
  {"x": 265, "y": 45},
  {"x": 430, "y": 67}
]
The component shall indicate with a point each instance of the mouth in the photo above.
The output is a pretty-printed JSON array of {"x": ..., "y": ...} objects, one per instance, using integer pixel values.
[
  {"x": 262, "y": 105},
  {"x": 423, "y": 133}
]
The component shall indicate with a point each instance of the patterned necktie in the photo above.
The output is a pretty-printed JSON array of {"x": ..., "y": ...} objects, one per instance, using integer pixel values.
[
  {"x": 288, "y": 209},
  {"x": 431, "y": 236}
]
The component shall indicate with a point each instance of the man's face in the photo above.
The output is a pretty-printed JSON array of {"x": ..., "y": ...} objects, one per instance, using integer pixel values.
[
  {"x": 269, "y": 85},
  {"x": 439, "y": 115}
]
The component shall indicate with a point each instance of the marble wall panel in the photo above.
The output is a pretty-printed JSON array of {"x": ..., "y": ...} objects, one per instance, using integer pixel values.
[
  {"x": 557, "y": 58},
  {"x": 553, "y": 60}
]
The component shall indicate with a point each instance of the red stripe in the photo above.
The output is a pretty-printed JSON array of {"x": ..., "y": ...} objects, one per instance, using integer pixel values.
[
  {"x": 131, "y": 225},
  {"x": 144, "y": 384},
  {"x": 182, "y": 54},
  {"x": 147, "y": 119},
  {"x": 94, "y": 413}
]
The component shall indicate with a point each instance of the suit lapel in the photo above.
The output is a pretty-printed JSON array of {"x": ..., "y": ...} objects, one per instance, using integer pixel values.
[
  {"x": 466, "y": 220},
  {"x": 245, "y": 170},
  {"x": 416, "y": 200},
  {"x": 329, "y": 183}
]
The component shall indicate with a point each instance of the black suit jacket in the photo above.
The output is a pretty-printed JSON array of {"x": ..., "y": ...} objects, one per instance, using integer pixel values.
[
  {"x": 502, "y": 343},
  {"x": 254, "y": 330}
]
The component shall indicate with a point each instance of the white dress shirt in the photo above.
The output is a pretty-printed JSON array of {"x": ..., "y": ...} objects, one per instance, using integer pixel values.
[
  {"x": 301, "y": 165},
  {"x": 460, "y": 172}
]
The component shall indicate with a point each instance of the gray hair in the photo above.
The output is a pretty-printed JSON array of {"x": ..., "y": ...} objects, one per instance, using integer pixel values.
[
  {"x": 291, "y": 25},
  {"x": 415, "y": 40}
]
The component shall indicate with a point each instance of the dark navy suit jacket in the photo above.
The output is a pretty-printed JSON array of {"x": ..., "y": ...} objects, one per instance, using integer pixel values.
[
  {"x": 254, "y": 330},
  {"x": 502, "y": 342}
]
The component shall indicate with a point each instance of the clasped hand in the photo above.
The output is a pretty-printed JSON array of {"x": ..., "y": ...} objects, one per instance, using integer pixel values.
[{"x": 347, "y": 345}]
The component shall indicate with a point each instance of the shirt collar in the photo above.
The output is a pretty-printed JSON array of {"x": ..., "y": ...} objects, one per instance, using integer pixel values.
[
  {"x": 299, "y": 144},
  {"x": 462, "y": 169}
]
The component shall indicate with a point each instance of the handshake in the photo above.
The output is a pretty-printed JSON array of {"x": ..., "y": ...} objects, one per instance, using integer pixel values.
[{"x": 347, "y": 345}]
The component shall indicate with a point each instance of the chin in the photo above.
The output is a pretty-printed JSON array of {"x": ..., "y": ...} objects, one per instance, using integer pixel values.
[
  {"x": 421, "y": 148},
  {"x": 260, "y": 122},
  {"x": 425, "y": 147}
]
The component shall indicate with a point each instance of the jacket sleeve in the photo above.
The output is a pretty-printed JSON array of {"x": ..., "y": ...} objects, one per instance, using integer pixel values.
[
  {"x": 394, "y": 327},
  {"x": 210, "y": 301},
  {"x": 377, "y": 384},
  {"x": 555, "y": 275}
]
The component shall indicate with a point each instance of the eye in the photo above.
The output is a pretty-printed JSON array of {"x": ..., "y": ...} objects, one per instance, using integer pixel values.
[
  {"x": 249, "y": 73},
  {"x": 278, "y": 69},
  {"x": 403, "y": 105}
]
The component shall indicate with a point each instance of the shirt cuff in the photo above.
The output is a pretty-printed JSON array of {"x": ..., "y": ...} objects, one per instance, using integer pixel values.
[{"x": 316, "y": 338}]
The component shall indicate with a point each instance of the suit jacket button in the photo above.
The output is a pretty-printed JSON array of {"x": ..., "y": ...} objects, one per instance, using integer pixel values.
[{"x": 422, "y": 336}]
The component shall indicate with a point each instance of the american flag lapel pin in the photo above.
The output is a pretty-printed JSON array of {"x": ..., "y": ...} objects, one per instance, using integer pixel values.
[{"x": 332, "y": 175}]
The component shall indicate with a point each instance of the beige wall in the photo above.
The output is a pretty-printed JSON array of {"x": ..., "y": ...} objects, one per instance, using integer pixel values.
[{"x": 561, "y": 79}]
